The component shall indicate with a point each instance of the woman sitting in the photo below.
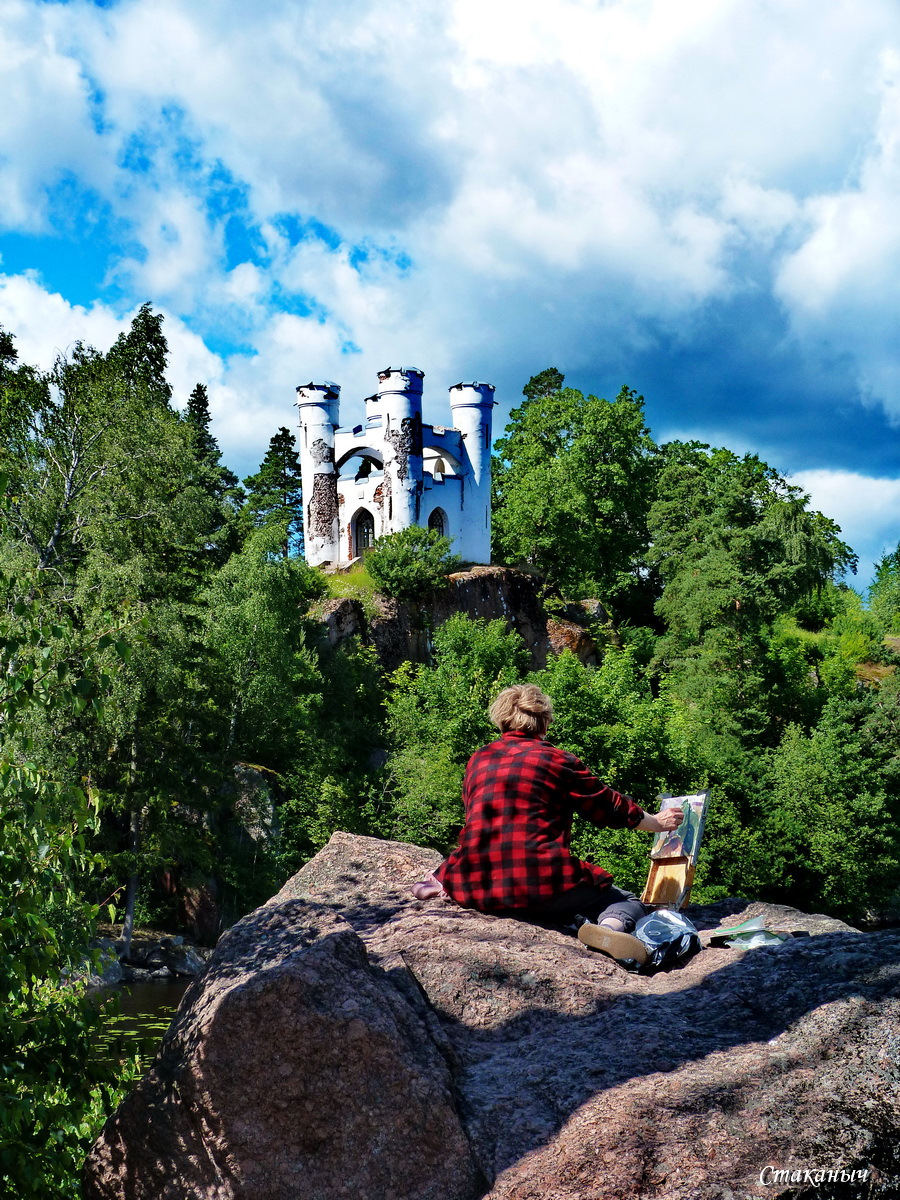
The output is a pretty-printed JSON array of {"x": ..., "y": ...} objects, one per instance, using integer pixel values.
[{"x": 520, "y": 795}]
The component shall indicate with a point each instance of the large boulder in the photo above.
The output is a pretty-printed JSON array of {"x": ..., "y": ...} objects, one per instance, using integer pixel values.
[
  {"x": 762, "y": 1073},
  {"x": 294, "y": 1068}
]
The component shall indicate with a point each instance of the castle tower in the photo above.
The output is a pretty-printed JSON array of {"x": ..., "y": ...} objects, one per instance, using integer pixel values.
[
  {"x": 318, "y": 404},
  {"x": 400, "y": 405},
  {"x": 472, "y": 405}
]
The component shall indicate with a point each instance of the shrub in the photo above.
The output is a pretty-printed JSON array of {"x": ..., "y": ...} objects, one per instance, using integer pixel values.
[{"x": 411, "y": 562}]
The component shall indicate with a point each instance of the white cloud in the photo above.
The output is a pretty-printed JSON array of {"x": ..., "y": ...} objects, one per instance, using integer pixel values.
[
  {"x": 44, "y": 325},
  {"x": 867, "y": 510},
  {"x": 566, "y": 179},
  {"x": 842, "y": 285},
  {"x": 46, "y": 130}
]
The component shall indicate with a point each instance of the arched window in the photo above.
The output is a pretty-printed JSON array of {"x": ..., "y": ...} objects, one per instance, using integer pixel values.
[
  {"x": 364, "y": 532},
  {"x": 437, "y": 523}
]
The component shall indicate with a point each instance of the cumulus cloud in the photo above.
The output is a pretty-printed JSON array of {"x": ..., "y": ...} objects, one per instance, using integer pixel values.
[
  {"x": 46, "y": 127},
  {"x": 443, "y": 186},
  {"x": 46, "y": 325},
  {"x": 866, "y": 509}
]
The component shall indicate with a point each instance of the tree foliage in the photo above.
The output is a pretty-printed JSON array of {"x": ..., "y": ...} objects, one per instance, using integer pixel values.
[
  {"x": 54, "y": 1090},
  {"x": 884, "y": 594},
  {"x": 412, "y": 562},
  {"x": 437, "y": 718},
  {"x": 274, "y": 494},
  {"x": 573, "y": 478},
  {"x": 207, "y": 732}
]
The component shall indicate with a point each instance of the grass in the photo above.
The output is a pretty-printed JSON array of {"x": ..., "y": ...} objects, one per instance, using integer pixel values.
[
  {"x": 870, "y": 672},
  {"x": 355, "y": 584}
]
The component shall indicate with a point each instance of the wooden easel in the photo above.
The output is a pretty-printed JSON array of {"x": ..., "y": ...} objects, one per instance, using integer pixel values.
[{"x": 671, "y": 874}]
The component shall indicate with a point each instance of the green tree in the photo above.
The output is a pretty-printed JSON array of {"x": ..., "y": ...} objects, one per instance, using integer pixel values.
[
  {"x": 332, "y": 775},
  {"x": 411, "y": 562},
  {"x": 436, "y": 719},
  {"x": 274, "y": 492},
  {"x": 55, "y": 1091},
  {"x": 608, "y": 716},
  {"x": 573, "y": 479},
  {"x": 256, "y": 628},
  {"x": 198, "y": 416},
  {"x": 884, "y": 593},
  {"x": 106, "y": 502},
  {"x": 833, "y": 809},
  {"x": 141, "y": 356},
  {"x": 219, "y": 483},
  {"x": 735, "y": 546}
]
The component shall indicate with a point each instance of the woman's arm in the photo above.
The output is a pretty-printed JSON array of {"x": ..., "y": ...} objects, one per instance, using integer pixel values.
[{"x": 669, "y": 818}]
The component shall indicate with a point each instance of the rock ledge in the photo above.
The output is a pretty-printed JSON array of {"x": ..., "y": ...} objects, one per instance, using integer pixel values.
[{"x": 349, "y": 1041}]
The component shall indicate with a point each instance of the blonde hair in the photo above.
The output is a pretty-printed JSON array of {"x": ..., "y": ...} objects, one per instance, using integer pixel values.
[{"x": 524, "y": 708}]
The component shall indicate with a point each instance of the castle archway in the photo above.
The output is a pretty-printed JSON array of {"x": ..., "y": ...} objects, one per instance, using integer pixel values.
[
  {"x": 438, "y": 522},
  {"x": 363, "y": 532}
]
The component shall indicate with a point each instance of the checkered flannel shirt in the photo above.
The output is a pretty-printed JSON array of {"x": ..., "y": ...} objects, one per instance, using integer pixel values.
[{"x": 520, "y": 794}]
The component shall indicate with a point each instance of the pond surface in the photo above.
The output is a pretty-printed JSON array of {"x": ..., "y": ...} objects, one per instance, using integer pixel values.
[{"x": 145, "y": 1011}]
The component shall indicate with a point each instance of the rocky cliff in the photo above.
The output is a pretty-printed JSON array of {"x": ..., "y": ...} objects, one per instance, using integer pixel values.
[
  {"x": 401, "y": 630},
  {"x": 349, "y": 1041}
]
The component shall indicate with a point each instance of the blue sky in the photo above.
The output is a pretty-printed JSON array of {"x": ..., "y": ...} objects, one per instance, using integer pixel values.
[{"x": 697, "y": 200}]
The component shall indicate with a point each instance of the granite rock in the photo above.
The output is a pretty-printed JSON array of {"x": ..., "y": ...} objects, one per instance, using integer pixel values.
[
  {"x": 557, "y": 1075},
  {"x": 294, "y": 1068}
]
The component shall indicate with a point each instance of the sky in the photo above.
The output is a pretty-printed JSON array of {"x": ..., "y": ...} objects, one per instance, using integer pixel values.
[{"x": 699, "y": 200}]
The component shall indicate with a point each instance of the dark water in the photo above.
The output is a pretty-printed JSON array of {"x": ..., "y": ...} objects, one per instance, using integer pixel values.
[{"x": 138, "y": 1015}]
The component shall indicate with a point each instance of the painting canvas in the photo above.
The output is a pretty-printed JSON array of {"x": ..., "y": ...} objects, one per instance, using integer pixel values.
[{"x": 683, "y": 842}]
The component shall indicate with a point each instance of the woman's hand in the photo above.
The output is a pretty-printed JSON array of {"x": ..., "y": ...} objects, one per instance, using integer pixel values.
[{"x": 668, "y": 819}]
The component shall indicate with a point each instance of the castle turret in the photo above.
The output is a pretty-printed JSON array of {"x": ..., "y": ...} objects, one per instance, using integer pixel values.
[
  {"x": 400, "y": 406},
  {"x": 472, "y": 406},
  {"x": 319, "y": 404}
]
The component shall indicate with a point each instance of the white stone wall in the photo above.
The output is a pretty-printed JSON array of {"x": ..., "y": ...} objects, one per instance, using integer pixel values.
[{"x": 392, "y": 471}]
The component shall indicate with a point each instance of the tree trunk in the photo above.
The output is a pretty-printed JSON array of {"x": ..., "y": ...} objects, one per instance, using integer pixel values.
[
  {"x": 133, "y": 878},
  {"x": 132, "y": 889}
]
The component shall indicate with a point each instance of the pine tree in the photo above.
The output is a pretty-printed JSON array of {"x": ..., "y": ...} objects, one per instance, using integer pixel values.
[
  {"x": 274, "y": 492},
  {"x": 142, "y": 354},
  {"x": 217, "y": 481},
  {"x": 198, "y": 416}
]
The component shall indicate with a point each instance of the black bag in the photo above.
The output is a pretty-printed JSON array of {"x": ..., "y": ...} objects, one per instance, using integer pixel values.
[{"x": 668, "y": 936}]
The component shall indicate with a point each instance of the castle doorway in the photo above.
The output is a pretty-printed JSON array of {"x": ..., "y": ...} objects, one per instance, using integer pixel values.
[
  {"x": 363, "y": 532},
  {"x": 438, "y": 522}
]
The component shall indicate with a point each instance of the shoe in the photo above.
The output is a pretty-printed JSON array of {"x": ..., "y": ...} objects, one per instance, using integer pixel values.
[{"x": 610, "y": 941}]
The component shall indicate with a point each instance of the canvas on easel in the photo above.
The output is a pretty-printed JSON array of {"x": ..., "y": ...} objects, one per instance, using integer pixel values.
[{"x": 673, "y": 855}]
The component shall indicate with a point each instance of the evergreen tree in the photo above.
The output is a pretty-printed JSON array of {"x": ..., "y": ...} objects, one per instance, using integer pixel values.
[
  {"x": 216, "y": 480},
  {"x": 735, "y": 546},
  {"x": 55, "y": 1088},
  {"x": 274, "y": 492},
  {"x": 106, "y": 503},
  {"x": 142, "y": 355},
  {"x": 198, "y": 416}
]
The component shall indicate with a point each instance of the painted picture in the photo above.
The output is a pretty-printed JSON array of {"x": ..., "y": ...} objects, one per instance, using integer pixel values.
[{"x": 683, "y": 842}]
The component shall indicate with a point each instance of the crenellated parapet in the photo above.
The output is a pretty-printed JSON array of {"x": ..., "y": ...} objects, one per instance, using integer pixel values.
[{"x": 394, "y": 471}]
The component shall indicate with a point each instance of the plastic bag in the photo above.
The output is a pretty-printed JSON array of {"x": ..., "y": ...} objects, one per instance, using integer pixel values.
[
  {"x": 749, "y": 934},
  {"x": 668, "y": 936}
]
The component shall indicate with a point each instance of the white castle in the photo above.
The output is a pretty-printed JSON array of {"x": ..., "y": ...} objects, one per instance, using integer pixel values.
[{"x": 392, "y": 471}]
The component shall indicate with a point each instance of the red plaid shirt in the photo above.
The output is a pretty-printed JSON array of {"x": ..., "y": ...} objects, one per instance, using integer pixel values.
[{"x": 520, "y": 795}]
